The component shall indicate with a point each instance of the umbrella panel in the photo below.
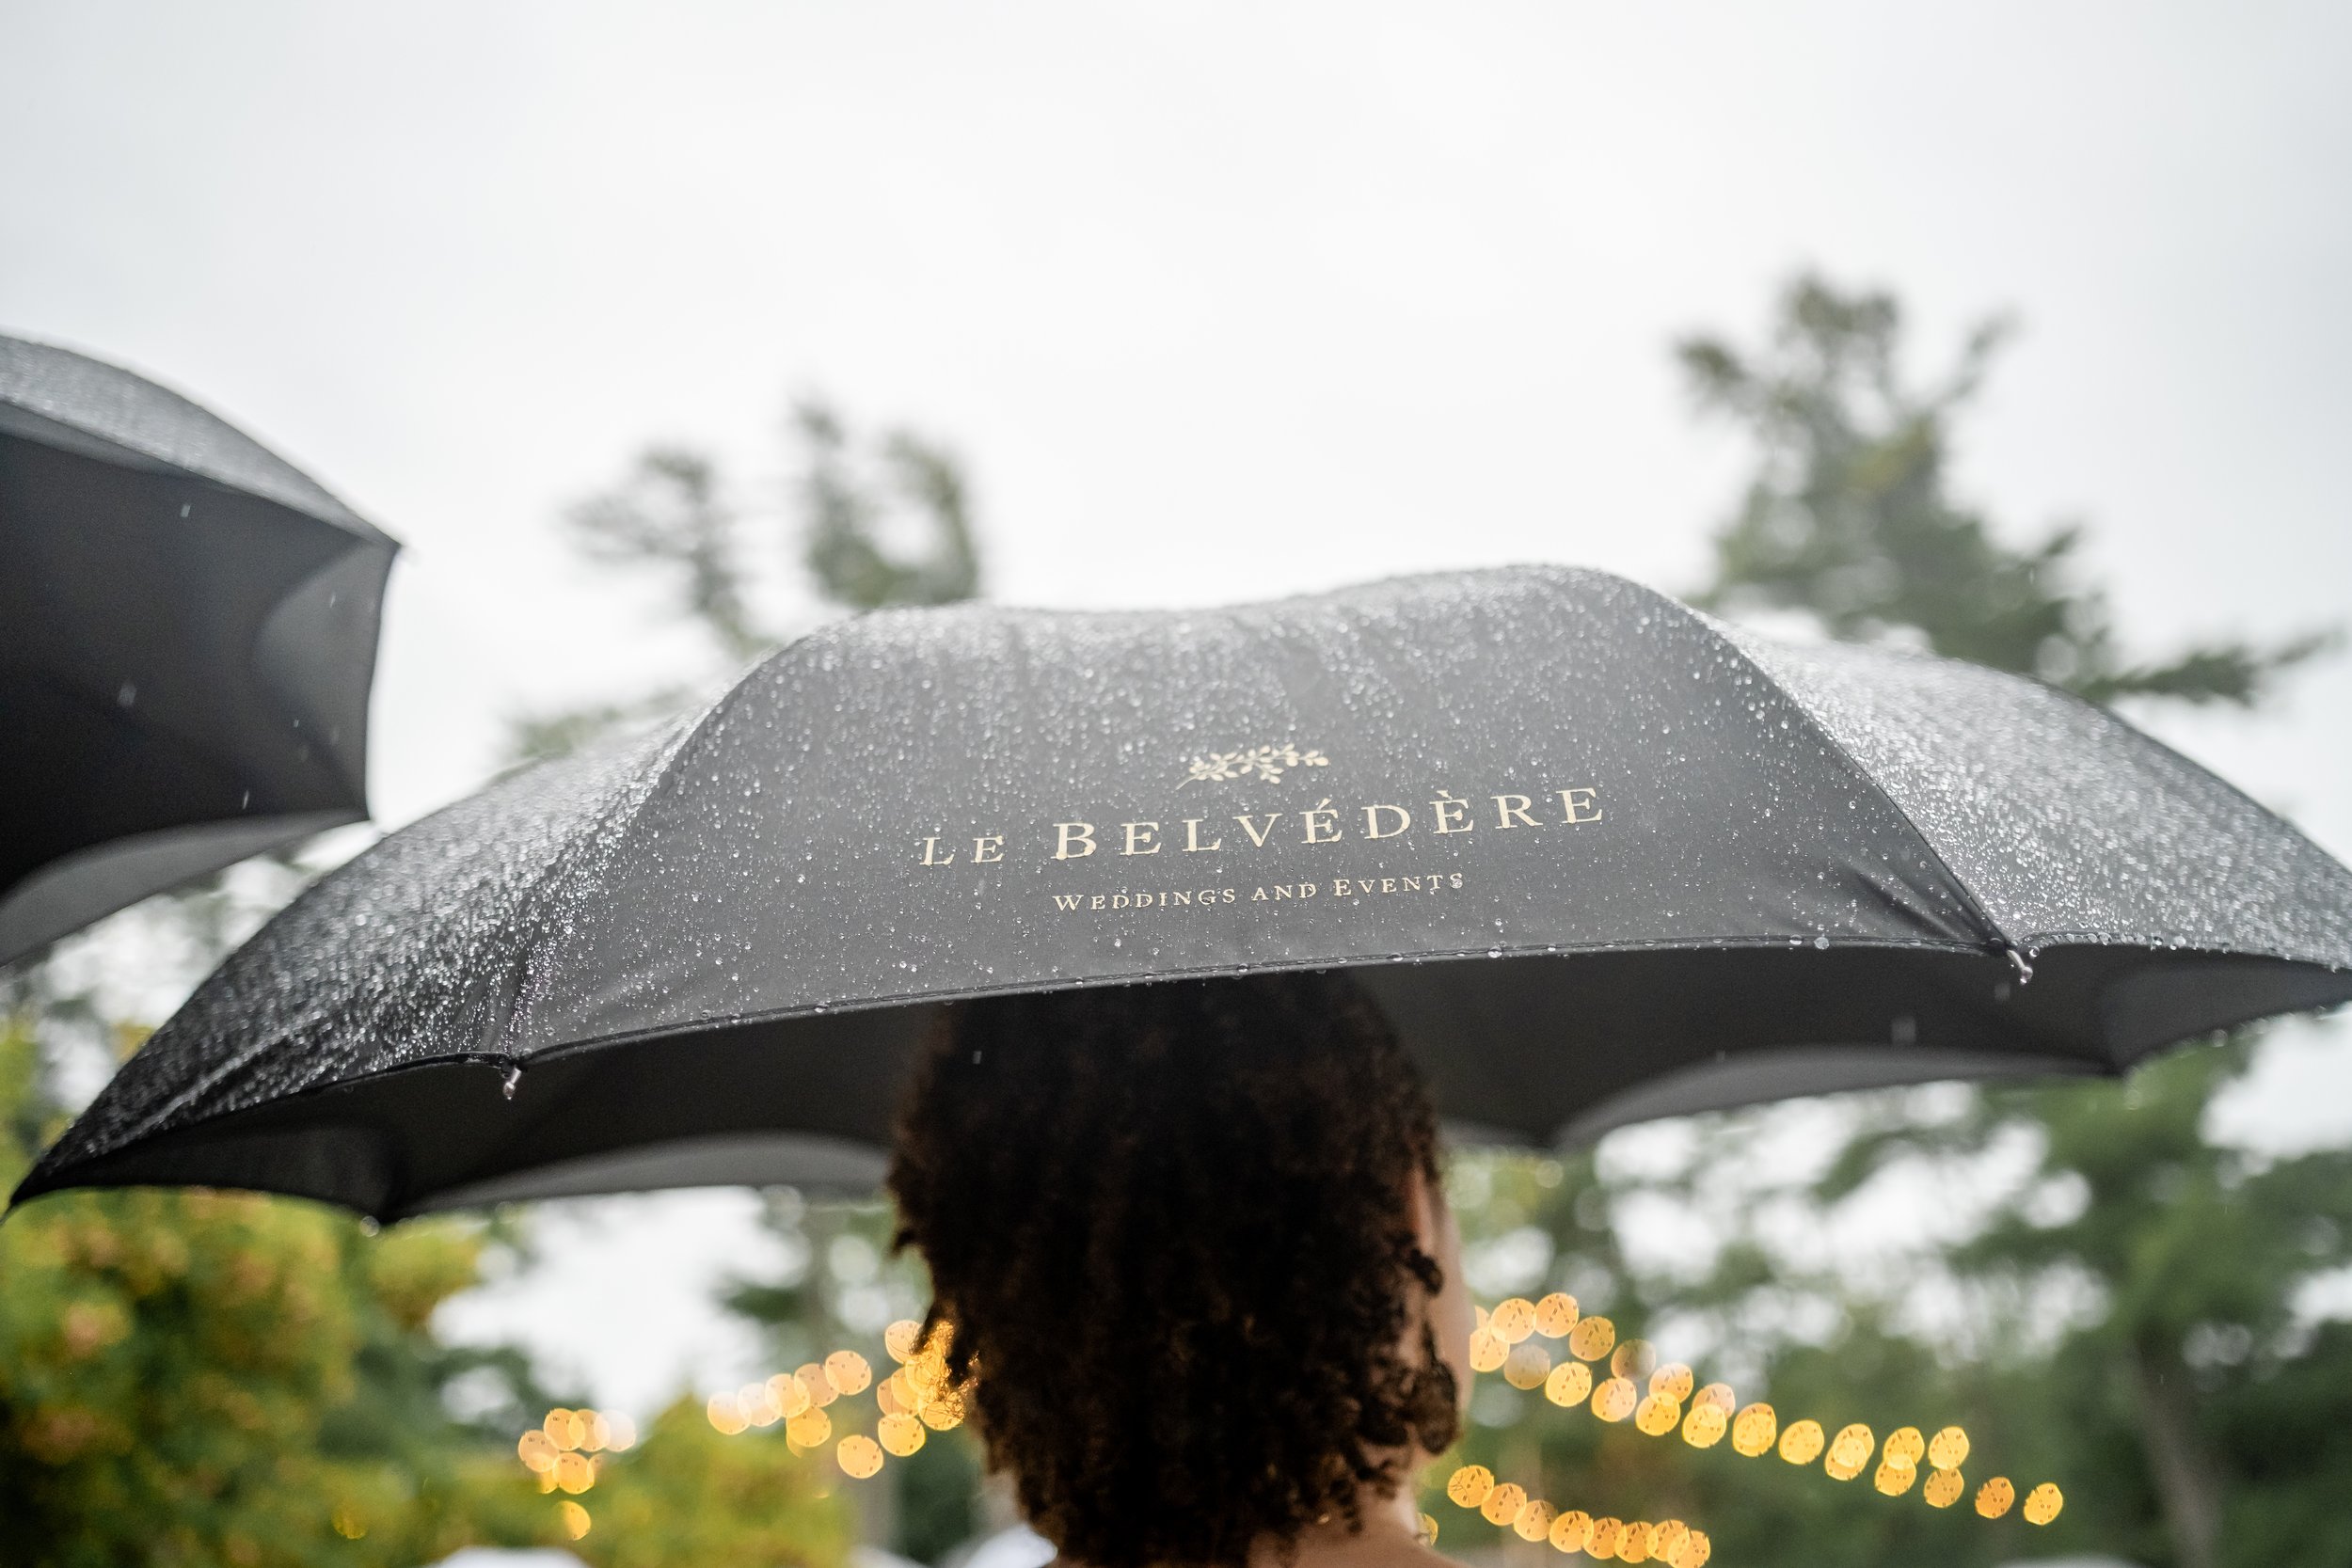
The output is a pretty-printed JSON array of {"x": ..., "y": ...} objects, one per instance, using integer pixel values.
[{"x": 184, "y": 681}]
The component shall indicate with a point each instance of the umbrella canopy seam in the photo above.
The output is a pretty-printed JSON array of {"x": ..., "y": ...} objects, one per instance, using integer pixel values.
[{"x": 2001, "y": 940}]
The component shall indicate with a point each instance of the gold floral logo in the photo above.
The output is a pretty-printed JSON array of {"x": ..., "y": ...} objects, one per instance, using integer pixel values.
[{"x": 1264, "y": 762}]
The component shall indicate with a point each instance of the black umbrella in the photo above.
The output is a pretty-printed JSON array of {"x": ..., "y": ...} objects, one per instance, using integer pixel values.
[
  {"x": 190, "y": 633},
  {"x": 1600, "y": 857}
]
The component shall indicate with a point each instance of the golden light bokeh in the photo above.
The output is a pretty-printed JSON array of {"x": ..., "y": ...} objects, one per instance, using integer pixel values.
[
  {"x": 1635, "y": 1358},
  {"x": 902, "y": 1434},
  {"x": 759, "y": 1405},
  {"x": 1514, "y": 1318},
  {"x": 858, "y": 1456},
  {"x": 1705, "y": 1426},
  {"x": 575, "y": 1519},
  {"x": 1849, "y": 1450},
  {"x": 1468, "y": 1487},
  {"x": 1555, "y": 1315},
  {"x": 1802, "y": 1444},
  {"x": 1656, "y": 1415},
  {"x": 1615, "y": 1399},
  {"x": 1570, "y": 1385},
  {"x": 925, "y": 1375},
  {"x": 917, "y": 1397},
  {"x": 1572, "y": 1531},
  {"x": 791, "y": 1394},
  {"x": 1527, "y": 1366},
  {"x": 848, "y": 1371},
  {"x": 1425, "y": 1530}
]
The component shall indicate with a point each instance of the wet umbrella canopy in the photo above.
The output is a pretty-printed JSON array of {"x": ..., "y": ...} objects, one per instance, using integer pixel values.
[
  {"x": 1599, "y": 857},
  {"x": 189, "y": 636}
]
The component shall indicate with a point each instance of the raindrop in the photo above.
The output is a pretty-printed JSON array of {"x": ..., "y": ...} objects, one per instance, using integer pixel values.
[
  {"x": 2025, "y": 970},
  {"x": 1822, "y": 941},
  {"x": 513, "y": 1081}
]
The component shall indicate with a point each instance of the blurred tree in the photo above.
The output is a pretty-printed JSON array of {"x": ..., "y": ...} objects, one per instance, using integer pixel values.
[
  {"x": 2123, "y": 1314},
  {"x": 844, "y": 546},
  {"x": 1848, "y": 517},
  {"x": 876, "y": 522},
  {"x": 212, "y": 1378},
  {"x": 880, "y": 522}
]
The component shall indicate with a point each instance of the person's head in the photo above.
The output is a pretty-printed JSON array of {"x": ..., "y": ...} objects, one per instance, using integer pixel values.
[{"x": 1191, "y": 1243}]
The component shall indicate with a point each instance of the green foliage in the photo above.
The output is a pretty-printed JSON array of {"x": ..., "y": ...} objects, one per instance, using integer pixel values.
[
  {"x": 1849, "y": 516},
  {"x": 844, "y": 543},
  {"x": 667, "y": 514},
  {"x": 206, "y": 1378},
  {"x": 875, "y": 523}
]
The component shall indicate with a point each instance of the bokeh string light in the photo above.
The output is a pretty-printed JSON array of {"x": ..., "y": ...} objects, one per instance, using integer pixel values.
[
  {"x": 569, "y": 1449},
  {"x": 1663, "y": 1398}
]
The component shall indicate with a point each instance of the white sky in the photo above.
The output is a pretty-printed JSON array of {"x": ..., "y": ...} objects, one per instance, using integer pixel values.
[{"x": 1218, "y": 300}]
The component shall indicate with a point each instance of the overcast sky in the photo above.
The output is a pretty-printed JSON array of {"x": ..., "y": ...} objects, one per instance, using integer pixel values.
[{"x": 1218, "y": 301}]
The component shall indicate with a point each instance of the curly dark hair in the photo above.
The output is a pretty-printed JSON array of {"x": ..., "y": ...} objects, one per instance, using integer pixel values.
[{"x": 1168, "y": 1229}]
